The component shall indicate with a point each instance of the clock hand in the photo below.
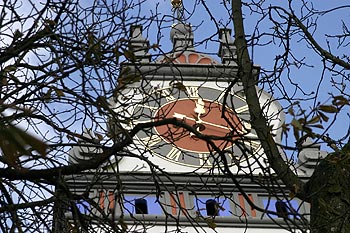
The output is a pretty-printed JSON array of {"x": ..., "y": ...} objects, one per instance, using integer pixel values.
[
  {"x": 182, "y": 116},
  {"x": 245, "y": 131},
  {"x": 199, "y": 121},
  {"x": 199, "y": 109},
  {"x": 215, "y": 125}
]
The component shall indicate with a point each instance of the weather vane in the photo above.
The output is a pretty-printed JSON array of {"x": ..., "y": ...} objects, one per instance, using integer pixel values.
[{"x": 178, "y": 9}]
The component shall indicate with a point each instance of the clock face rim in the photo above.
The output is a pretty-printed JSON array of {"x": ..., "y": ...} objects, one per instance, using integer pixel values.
[{"x": 202, "y": 156}]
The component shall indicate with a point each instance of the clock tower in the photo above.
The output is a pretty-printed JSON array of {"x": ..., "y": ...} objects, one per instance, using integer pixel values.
[{"x": 194, "y": 164}]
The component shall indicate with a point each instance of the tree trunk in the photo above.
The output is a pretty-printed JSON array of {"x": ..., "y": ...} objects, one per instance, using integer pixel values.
[
  {"x": 258, "y": 120},
  {"x": 60, "y": 223},
  {"x": 329, "y": 189}
]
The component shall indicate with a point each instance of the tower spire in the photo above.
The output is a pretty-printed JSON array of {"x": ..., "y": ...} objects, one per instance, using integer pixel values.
[
  {"x": 181, "y": 33},
  {"x": 178, "y": 10}
]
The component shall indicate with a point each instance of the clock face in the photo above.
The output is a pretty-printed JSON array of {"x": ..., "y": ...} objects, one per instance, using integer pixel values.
[
  {"x": 205, "y": 117},
  {"x": 203, "y": 109}
]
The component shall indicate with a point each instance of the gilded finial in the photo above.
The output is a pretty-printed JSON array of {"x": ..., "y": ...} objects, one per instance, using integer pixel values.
[
  {"x": 176, "y": 3},
  {"x": 178, "y": 10}
]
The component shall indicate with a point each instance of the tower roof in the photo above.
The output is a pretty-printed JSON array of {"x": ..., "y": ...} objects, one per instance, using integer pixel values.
[
  {"x": 183, "y": 52},
  {"x": 189, "y": 57}
]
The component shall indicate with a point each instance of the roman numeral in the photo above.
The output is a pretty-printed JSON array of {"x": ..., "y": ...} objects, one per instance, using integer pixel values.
[
  {"x": 246, "y": 128},
  {"x": 204, "y": 160},
  {"x": 221, "y": 96},
  {"x": 174, "y": 154},
  {"x": 151, "y": 140},
  {"x": 135, "y": 122},
  {"x": 166, "y": 94},
  {"x": 149, "y": 107},
  {"x": 252, "y": 143},
  {"x": 192, "y": 92},
  {"x": 232, "y": 158},
  {"x": 242, "y": 109}
]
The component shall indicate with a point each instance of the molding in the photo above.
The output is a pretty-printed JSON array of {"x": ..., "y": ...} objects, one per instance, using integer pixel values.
[
  {"x": 232, "y": 222},
  {"x": 212, "y": 183},
  {"x": 191, "y": 72}
]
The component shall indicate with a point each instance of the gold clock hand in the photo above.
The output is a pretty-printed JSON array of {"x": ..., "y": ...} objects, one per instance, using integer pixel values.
[
  {"x": 215, "y": 125},
  {"x": 199, "y": 121},
  {"x": 199, "y": 109},
  {"x": 182, "y": 116}
]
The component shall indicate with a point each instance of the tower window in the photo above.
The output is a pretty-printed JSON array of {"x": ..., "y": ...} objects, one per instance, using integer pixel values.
[
  {"x": 212, "y": 207},
  {"x": 83, "y": 206},
  {"x": 141, "y": 206},
  {"x": 281, "y": 209}
]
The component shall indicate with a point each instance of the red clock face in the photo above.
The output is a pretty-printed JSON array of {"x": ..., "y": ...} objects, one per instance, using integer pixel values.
[
  {"x": 206, "y": 117},
  {"x": 202, "y": 109}
]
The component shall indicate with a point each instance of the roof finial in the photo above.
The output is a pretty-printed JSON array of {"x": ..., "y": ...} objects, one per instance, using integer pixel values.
[{"x": 178, "y": 9}]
